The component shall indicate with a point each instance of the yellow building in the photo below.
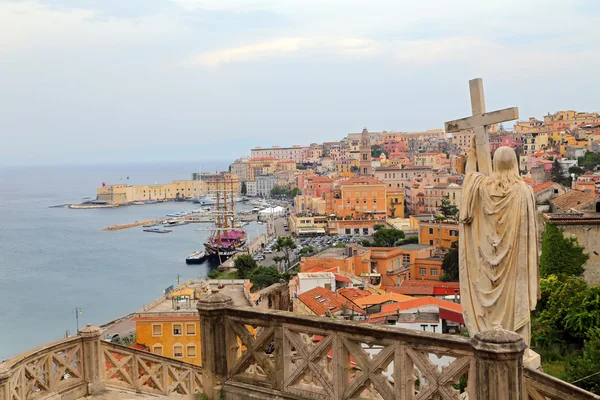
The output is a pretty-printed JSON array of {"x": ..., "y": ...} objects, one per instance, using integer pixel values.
[
  {"x": 179, "y": 189},
  {"x": 438, "y": 234},
  {"x": 395, "y": 203},
  {"x": 175, "y": 335},
  {"x": 308, "y": 225}
]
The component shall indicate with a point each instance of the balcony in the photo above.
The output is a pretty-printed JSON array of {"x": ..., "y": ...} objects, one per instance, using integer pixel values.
[{"x": 262, "y": 354}]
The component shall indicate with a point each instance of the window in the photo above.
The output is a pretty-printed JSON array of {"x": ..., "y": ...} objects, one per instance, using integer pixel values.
[
  {"x": 357, "y": 231},
  {"x": 190, "y": 329},
  {"x": 348, "y": 231},
  {"x": 365, "y": 231},
  {"x": 453, "y": 232},
  {"x": 157, "y": 349},
  {"x": 156, "y": 329},
  {"x": 433, "y": 272},
  {"x": 178, "y": 351},
  {"x": 191, "y": 351},
  {"x": 177, "y": 330},
  {"x": 422, "y": 271},
  {"x": 431, "y": 242},
  {"x": 405, "y": 258},
  {"x": 431, "y": 231}
]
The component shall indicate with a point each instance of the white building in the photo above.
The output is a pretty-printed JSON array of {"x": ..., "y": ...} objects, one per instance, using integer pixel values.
[
  {"x": 251, "y": 188},
  {"x": 264, "y": 185},
  {"x": 310, "y": 280}
]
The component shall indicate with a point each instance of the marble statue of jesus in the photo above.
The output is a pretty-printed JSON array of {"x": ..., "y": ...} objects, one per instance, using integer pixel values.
[{"x": 498, "y": 248}]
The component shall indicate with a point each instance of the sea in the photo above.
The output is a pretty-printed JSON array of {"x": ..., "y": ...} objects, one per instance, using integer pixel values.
[{"x": 54, "y": 261}]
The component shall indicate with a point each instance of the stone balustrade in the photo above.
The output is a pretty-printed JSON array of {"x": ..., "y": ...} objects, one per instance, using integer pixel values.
[
  {"x": 86, "y": 365},
  {"x": 249, "y": 353},
  {"x": 265, "y": 354}
]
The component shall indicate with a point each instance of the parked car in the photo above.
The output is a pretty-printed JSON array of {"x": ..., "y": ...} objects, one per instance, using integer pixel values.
[
  {"x": 259, "y": 258},
  {"x": 268, "y": 251}
]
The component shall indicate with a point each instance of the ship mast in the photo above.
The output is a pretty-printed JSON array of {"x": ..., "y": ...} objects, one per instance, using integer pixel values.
[
  {"x": 225, "y": 213},
  {"x": 218, "y": 208},
  {"x": 232, "y": 201}
]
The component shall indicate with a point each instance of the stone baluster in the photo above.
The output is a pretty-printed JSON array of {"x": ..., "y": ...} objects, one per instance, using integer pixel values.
[
  {"x": 213, "y": 341},
  {"x": 499, "y": 365},
  {"x": 5, "y": 374},
  {"x": 93, "y": 361}
]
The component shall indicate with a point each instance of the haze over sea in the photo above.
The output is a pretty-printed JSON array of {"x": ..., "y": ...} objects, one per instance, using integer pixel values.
[{"x": 55, "y": 259}]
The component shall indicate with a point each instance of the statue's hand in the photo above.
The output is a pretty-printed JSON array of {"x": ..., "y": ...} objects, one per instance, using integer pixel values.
[{"x": 473, "y": 147}]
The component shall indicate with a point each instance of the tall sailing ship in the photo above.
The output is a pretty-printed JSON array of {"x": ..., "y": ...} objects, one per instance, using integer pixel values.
[{"x": 227, "y": 237}]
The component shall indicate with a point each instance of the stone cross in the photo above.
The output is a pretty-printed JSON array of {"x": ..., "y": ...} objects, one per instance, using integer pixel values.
[{"x": 480, "y": 121}]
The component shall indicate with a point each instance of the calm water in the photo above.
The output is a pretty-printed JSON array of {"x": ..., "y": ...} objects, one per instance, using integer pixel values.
[{"x": 55, "y": 259}]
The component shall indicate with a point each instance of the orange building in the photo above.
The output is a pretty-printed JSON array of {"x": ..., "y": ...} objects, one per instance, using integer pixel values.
[
  {"x": 174, "y": 334},
  {"x": 395, "y": 203},
  {"x": 380, "y": 265},
  {"x": 362, "y": 227},
  {"x": 362, "y": 197},
  {"x": 438, "y": 234}
]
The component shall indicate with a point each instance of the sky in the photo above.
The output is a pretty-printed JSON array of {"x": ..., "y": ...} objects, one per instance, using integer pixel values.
[{"x": 114, "y": 81}]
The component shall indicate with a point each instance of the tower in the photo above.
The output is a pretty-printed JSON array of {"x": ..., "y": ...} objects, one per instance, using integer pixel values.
[{"x": 365, "y": 154}]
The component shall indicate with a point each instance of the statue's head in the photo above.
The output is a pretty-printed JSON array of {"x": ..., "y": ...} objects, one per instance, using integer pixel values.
[{"x": 506, "y": 168}]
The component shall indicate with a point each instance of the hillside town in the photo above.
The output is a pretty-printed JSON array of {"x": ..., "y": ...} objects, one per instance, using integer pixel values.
[{"x": 371, "y": 226}]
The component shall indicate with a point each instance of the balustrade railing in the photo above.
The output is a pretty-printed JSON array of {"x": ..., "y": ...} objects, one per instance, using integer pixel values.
[
  {"x": 263, "y": 354},
  {"x": 249, "y": 353},
  {"x": 86, "y": 365}
]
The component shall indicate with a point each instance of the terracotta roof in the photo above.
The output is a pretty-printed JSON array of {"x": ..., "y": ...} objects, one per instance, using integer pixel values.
[
  {"x": 353, "y": 294},
  {"x": 381, "y": 298},
  {"x": 322, "y": 301},
  {"x": 342, "y": 278},
  {"x": 424, "y": 288},
  {"x": 320, "y": 268},
  {"x": 140, "y": 347},
  {"x": 573, "y": 199},
  {"x": 391, "y": 309}
]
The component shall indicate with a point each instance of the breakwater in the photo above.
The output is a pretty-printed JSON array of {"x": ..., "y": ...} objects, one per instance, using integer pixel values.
[{"x": 132, "y": 225}]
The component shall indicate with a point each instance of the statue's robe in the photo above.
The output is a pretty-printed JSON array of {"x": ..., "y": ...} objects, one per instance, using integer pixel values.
[{"x": 498, "y": 250}]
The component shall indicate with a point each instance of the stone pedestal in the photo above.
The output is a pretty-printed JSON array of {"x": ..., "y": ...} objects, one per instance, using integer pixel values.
[
  {"x": 499, "y": 358},
  {"x": 92, "y": 359},
  {"x": 213, "y": 342}
]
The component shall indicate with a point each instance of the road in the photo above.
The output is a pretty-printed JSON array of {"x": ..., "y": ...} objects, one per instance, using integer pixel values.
[{"x": 279, "y": 231}]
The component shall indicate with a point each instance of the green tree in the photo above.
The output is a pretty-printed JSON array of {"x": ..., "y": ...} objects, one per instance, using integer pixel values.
[
  {"x": 295, "y": 191},
  {"x": 387, "y": 237},
  {"x": 583, "y": 371},
  {"x": 450, "y": 264},
  {"x": 300, "y": 166},
  {"x": 447, "y": 210},
  {"x": 262, "y": 277},
  {"x": 408, "y": 240},
  {"x": 561, "y": 255},
  {"x": 244, "y": 188},
  {"x": 377, "y": 227},
  {"x": 244, "y": 263},
  {"x": 559, "y": 319},
  {"x": 307, "y": 250},
  {"x": 285, "y": 244},
  {"x": 377, "y": 150},
  {"x": 558, "y": 175},
  {"x": 576, "y": 170},
  {"x": 589, "y": 161}
]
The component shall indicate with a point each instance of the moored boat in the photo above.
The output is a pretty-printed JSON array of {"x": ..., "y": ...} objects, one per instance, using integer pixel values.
[
  {"x": 157, "y": 229},
  {"x": 138, "y": 203},
  {"x": 196, "y": 257}
]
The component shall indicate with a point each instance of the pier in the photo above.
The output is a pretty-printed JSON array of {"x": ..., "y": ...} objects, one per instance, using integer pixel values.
[{"x": 132, "y": 225}]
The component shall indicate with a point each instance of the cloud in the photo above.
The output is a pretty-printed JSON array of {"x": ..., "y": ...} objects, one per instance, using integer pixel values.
[{"x": 416, "y": 51}]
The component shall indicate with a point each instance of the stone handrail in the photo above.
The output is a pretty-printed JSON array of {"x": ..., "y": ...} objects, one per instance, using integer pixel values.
[
  {"x": 250, "y": 353},
  {"x": 142, "y": 371},
  {"x": 86, "y": 365},
  {"x": 543, "y": 386},
  {"x": 55, "y": 368}
]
